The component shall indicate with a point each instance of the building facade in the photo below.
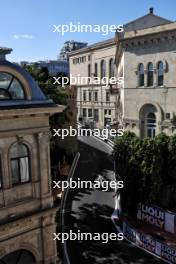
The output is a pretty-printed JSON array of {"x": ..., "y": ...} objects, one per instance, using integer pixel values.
[
  {"x": 95, "y": 102},
  {"x": 27, "y": 213},
  {"x": 146, "y": 58}
]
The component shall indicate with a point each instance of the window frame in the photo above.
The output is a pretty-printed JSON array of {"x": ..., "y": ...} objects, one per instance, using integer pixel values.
[
  {"x": 96, "y": 69},
  {"x": 151, "y": 125},
  {"x": 150, "y": 75},
  {"x": 141, "y": 75},
  {"x": 84, "y": 112},
  {"x": 158, "y": 71},
  {"x": 9, "y": 86},
  {"x": 95, "y": 96},
  {"x": 18, "y": 159},
  {"x": 90, "y": 96},
  {"x": 89, "y": 70},
  {"x": 90, "y": 113},
  {"x": 103, "y": 69},
  {"x": 107, "y": 96},
  {"x": 84, "y": 96},
  {"x": 111, "y": 68}
]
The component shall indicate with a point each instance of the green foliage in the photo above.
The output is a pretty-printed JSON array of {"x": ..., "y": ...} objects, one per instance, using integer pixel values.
[
  {"x": 52, "y": 91},
  {"x": 148, "y": 169}
]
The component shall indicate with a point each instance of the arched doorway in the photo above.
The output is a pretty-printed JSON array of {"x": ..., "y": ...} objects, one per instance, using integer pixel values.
[
  {"x": 148, "y": 121},
  {"x": 18, "y": 257}
]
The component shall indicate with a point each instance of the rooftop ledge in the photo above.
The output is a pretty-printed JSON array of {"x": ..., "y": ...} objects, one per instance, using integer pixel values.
[
  {"x": 149, "y": 31},
  {"x": 21, "y": 110}
]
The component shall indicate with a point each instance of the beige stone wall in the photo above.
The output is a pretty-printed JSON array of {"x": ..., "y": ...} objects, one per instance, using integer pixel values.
[
  {"x": 151, "y": 48},
  {"x": 26, "y": 208},
  {"x": 34, "y": 234},
  {"x": 94, "y": 56}
]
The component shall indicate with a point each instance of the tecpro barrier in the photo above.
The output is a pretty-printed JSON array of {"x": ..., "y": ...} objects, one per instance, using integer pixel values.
[
  {"x": 158, "y": 217},
  {"x": 147, "y": 242}
]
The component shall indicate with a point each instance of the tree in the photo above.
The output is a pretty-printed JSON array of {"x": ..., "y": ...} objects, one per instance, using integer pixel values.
[{"x": 148, "y": 169}]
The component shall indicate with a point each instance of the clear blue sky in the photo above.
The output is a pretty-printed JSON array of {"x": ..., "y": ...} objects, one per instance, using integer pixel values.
[{"x": 26, "y": 26}]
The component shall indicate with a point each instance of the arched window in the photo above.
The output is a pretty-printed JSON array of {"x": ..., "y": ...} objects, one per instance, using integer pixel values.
[
  {"x": 111, "y": 68},
  {"x": 150, "y": 74},
  {"x": 151, "y": 125},
  {"x": 141, "y": 75},
  {"x": 10, "y": 87},
  {"x": 103, "y": 68},
  {"x": 20, "y": 162},
  {"x": 160, "y": 73},
  {"x": 18, "y": 257}
]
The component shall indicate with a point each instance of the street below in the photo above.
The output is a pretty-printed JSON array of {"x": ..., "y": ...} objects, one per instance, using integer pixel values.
[{"x": 90, "y": 210}]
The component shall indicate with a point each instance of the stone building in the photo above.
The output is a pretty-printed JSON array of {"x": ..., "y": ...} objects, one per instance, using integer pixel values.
[
  {"x": 146, "y": 58},
  {"x": 95, "y": 102},
  {"x": 27, "y": 214}
]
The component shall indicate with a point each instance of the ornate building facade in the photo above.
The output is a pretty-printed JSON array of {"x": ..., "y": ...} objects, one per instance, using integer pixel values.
[
  {"x": 146, "y": 58},
  {"x": 27, "y": 214},
  {"x": 95, "y": 102}
]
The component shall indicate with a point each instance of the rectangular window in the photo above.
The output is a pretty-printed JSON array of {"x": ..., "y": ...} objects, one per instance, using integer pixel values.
[
  {"x": 84, "y": 96},
  {"x": 96, "y": 96},
  {"x": 20, "y": 170},
  {"x": 90, "y": 96},
  {"x": 109, "y": 112},
  {"x": 24, "y": 171},
  {"x": 84, "y": 112},
  {"x": 96, "y": 115},
  {"x": 89, "y": 112},
  {"x": 15, "y": 172},
  {"x": 105, "y": 112},
  {"x": 89, "y": 70},
  {"x": 107, "y": 96},
  {"x": 88, "y": 57},
  {"x": 96, "y": 70}
]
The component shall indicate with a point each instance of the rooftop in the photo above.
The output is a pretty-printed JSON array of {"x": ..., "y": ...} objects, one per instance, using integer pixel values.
[
  {"x": 17, "y": 88},
  {"x": 100, "y": 44},
  {"x": 147, "y": 21}
]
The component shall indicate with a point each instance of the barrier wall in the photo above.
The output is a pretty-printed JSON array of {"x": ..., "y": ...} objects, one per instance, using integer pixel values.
[
  {"x": 150, "y": 244},
  {"x": 158, "y": 217}
]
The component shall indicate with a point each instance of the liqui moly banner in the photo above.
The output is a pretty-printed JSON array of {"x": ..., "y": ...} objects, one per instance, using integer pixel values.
[
  {"x": 146, "y": 242},
  {"x": 168, "y": 253},
  {"x": 149, "y": 243},
  {"x": 129, "y": 232},
  {"x": 158, "y": 217}
]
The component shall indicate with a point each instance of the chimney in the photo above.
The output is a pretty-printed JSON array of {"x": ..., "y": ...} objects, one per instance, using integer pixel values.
[
  {"x": 151, "y": 10},
  {"x": 4, "y": 52}
]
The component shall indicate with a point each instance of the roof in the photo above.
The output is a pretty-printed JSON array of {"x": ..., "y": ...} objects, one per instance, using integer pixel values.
[
  {"x": 97, "y": 45},
  {"x": 147, "y": 21},
  {"x": 37, "y": 96}
]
